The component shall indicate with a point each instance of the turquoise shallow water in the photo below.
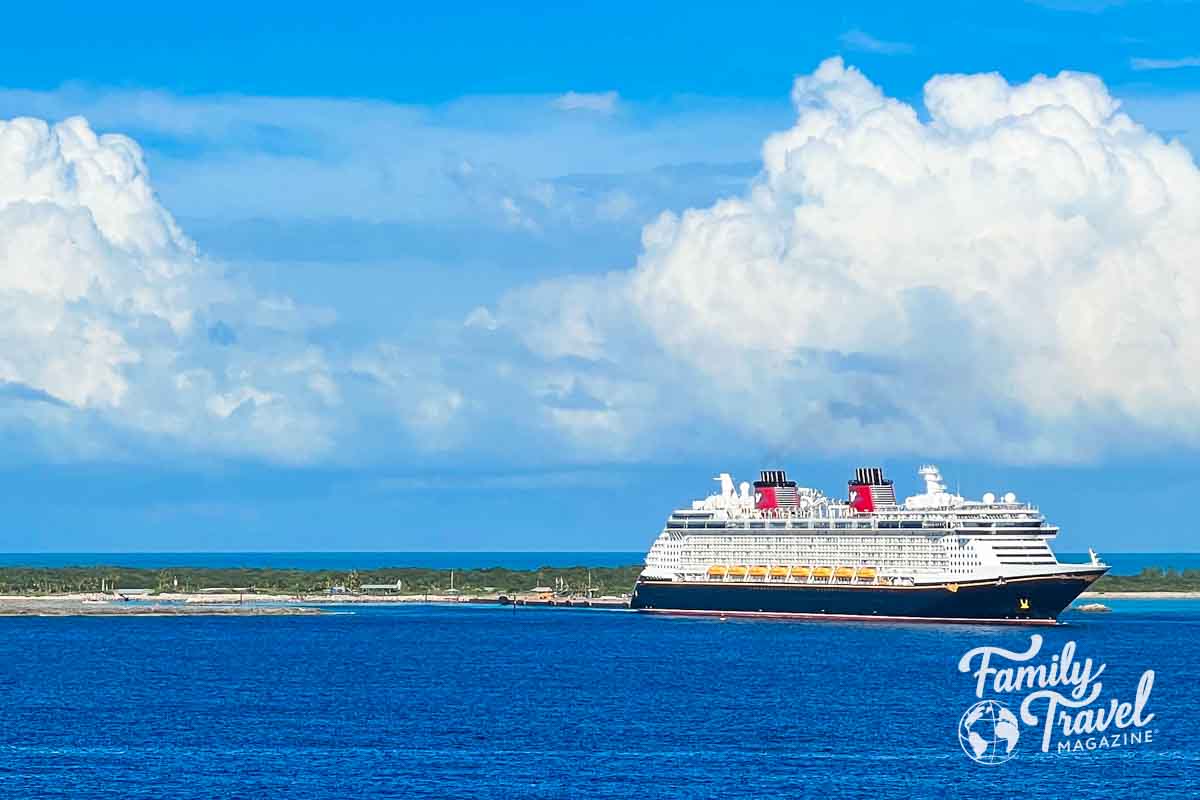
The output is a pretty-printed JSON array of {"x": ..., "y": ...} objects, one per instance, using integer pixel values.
[{"x": 448, "y": 702}]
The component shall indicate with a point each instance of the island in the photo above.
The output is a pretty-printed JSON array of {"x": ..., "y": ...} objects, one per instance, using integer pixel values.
[
  {"x": 108, "y": 590},
  {"x": 1150, "y": 583},
  {"x": 203, "y": 590}
]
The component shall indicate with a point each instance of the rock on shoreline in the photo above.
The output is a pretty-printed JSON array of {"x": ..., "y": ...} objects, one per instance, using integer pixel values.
[{"x": 1093, "y": 608}]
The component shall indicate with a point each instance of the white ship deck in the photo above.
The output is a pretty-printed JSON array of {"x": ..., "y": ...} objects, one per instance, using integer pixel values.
[{"x": 932, "y": 537}]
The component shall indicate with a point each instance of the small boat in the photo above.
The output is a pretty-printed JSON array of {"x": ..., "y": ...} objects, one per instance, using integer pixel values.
[
  {"x": 738, "y": 572},
  {"x": 801, "y": 572},
  {"x": 866, "y": 573},
  {"x": 822, "y": 572},
  {"x": 758, "y": 572},
  {"x": 779, "y": 572},
  {"x": 844, "y": 572},
  {"x": 716, "y": 572}
]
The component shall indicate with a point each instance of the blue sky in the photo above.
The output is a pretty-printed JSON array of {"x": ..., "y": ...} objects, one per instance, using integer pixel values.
[
  {"x": 437, "y": 54},
  {"x": 419, "y": 231}
]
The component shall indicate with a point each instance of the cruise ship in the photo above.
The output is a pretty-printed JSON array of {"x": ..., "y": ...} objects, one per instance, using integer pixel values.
[{"x": 775, "y": 549}]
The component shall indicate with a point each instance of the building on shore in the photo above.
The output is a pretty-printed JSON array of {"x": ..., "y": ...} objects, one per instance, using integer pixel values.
[{"x": 383, "y": 588}]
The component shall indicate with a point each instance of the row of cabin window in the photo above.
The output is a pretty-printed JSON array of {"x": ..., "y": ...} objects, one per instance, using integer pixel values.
[
  {"x": 814, "y": 541},
  {"x": 803, "y": 525}
]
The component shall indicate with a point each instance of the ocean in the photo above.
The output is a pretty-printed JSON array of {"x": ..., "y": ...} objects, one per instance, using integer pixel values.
[
  {"x": 1122, "y": 563},
  {"x": 483, "y": 702}
]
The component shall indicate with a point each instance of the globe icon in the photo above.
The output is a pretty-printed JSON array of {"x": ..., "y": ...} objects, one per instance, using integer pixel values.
[{"x": 988, "y": 732}]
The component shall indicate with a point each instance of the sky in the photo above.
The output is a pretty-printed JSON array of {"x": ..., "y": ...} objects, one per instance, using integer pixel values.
[{"x": 525, "y": 276}]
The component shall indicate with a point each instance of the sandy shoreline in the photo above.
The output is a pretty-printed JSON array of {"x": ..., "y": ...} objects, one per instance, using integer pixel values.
[
  {"x": 247, "y": 597},
  {"x": 236, "y": 604},
  {"x": 190, "y": 605},
  {"x": 61, "y": 607},
  {"x": 93, "y": 604},
  {"x": 351, "y": 599}
]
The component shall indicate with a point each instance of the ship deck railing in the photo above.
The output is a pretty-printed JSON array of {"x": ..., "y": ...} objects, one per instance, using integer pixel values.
[{"x": 838, "y": 512}]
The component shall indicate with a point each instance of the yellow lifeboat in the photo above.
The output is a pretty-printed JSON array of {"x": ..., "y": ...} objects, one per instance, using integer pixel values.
[
  {"x": 866, "y": 573},
  {"x": 716, "y": 572},
  {"x": 844, "y": 572},
  {"x": 758, "y": 572},
  {"x": 779, "y": 572},
  {"x": 801, "y": 572},
  {"x": 822, "y": 572},
  {"x": 738, "y": 572}
]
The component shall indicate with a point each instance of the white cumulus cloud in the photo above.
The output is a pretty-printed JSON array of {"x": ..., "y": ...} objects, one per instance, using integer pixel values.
[
  {"x": 1014, "y": 275},
  {"x": 111, "y": 321},
  {"x": 600, "y": 102},
  {"x": 863, "y": 42},
  {"x": 1009, "y": 271},
  {"x": 1142, "y": 64}
]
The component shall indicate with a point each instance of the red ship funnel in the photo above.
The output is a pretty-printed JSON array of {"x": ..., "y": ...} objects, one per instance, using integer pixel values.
[
  {"x": 870, "y": 489},
  {"x": 764, "y": 497},
  {"x": 860, "y": 497},
  {"x": 774, "y": 490}
]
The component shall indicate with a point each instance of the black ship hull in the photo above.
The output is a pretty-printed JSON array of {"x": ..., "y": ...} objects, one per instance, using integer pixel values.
[{"x": 1031, "y": 600}]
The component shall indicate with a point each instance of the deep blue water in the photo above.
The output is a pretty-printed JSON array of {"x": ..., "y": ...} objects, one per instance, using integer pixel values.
[
  {"x": 443, "y": 702},
  {"x": 1122, "y": 563}
]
